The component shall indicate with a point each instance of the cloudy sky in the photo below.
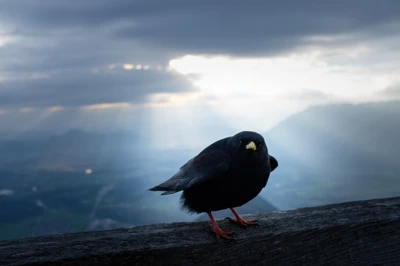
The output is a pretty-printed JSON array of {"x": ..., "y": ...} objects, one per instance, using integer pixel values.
[{"x": 186, "y": 66}]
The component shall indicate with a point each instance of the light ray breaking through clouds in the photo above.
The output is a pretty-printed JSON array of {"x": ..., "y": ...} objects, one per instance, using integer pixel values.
[
  {"x": 240, "y": 64},
  {"x": 253, "y": 89}
]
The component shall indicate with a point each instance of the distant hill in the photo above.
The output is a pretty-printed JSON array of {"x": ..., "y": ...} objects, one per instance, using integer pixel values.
[
  {"x": 44, "y": 188},
  {"x": 336, "y": 153},
  {"x": 70, "y": 150}
]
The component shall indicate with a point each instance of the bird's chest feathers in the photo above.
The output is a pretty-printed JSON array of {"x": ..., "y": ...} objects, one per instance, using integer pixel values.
[{"x": 249, "y": 177}]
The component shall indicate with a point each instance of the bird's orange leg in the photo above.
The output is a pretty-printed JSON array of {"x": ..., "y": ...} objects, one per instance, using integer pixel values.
[
  {"x": 239, "y": 220},
  {"x": 215, "y": 228}
]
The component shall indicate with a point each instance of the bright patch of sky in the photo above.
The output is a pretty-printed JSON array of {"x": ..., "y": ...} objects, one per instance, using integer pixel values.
[{"x": 260, "y": 92}]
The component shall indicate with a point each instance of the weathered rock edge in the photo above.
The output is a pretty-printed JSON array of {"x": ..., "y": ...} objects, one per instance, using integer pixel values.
[{"x": 351, "y": 233}]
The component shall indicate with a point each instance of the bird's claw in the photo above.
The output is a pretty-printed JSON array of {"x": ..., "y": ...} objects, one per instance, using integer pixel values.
[
  {"x": 243, "y": 223},
  {"x": 254, "y": 222},
  {"x": 222, "y": 234}
]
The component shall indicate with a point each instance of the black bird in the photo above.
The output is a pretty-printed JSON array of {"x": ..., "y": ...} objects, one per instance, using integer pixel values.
[{"x": 227, "y": 174}]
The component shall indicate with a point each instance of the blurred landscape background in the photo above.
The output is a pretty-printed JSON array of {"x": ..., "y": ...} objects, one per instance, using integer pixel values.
[{"x": 99, "y": 101}]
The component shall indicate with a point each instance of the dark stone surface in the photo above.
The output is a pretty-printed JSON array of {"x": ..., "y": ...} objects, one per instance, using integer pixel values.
[{"x": 352, "y": 233}]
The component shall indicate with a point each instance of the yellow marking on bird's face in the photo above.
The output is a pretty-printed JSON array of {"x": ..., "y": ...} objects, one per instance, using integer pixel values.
[{"x": 251, "y": 146}]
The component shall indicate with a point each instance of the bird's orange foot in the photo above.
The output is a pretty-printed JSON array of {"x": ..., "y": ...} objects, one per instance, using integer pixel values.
[
  {"x": 243, "y": 223},
  {"x": 219, "y": 233}
]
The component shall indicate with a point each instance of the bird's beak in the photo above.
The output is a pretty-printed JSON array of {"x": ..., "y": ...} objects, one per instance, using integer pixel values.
[{"x": 251, "y": 146}]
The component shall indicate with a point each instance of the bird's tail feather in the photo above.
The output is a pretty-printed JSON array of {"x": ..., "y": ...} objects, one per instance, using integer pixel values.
[
  {"x": 160, "y": 188},
  {"x": 168, "y": 192}
]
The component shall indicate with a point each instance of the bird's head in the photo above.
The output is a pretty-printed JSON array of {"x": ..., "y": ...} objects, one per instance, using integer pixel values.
[{"x": 248, "y": 146}]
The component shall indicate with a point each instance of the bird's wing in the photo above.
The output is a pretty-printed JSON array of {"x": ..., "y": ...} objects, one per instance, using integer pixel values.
[
  {"x": 203, "y": 167},
  {"x": 208, "y": 165},
  {"x": 273, "y": 162}
]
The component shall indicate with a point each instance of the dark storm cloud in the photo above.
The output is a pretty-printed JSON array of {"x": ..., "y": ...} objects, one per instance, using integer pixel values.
[
  {"x": 230, "y": 27},
  {"x": 66, "y": 39},
  {"x": 256, "y": 28},
  {"x": 76, "y": 88},
  {"x": 78, "y": 49}
]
